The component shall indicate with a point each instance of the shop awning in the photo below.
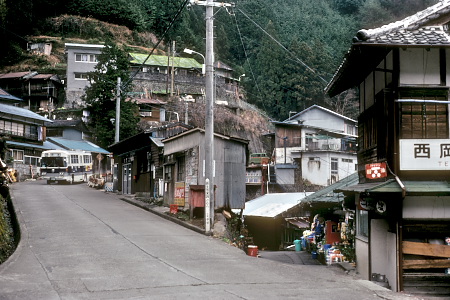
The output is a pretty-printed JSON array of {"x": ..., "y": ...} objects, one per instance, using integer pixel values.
[
  {"x": 300, "y": 223},
  {"x": 413, "y": 188}
]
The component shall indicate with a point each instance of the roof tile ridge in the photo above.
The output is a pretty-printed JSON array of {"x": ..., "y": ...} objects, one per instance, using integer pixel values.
[{"x": 412, "y": 22}]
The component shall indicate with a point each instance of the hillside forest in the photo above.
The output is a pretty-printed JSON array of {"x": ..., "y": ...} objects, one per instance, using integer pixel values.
[{"x": 288, "y": 50}]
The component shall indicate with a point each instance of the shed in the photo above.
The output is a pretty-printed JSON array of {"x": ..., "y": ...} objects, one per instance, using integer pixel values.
[
  {"x": 183, "y": 166},
  {"x": 274, "y": 220}
]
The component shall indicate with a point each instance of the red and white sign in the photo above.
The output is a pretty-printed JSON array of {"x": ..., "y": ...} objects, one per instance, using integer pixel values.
[{"x": 376, "y": 171}]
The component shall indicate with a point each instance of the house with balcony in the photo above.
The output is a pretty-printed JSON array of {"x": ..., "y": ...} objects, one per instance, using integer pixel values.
[
  {"x": 160, "y": 76},
  {"x": 316, "y": 146},
  {"x": 24, "y": 133},
  {"x": 39, "y": 92},
  {"x": 402, "y": 200}
]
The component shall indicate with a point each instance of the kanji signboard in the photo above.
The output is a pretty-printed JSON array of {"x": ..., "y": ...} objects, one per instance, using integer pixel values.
[{"x": 425, "y": 154}]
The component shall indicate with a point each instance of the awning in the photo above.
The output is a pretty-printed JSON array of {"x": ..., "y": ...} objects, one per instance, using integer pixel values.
[
  {"x": 413, "y": 188},
  {"x": 299, "y": 222}
]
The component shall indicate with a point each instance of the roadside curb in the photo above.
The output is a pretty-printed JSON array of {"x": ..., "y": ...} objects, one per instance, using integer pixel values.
[{"x": 151, "y": 208}]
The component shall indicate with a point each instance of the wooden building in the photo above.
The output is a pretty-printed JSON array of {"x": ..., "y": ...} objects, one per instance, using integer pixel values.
[
  {"x": 139, "y": 161},
  {"x": 40, "y": 92},
  {"x": 24, "y": 133},
  {"x": 402, "y": 201}
]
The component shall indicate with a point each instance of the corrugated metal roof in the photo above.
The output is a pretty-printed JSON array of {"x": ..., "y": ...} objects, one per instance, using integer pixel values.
[
  {"x": 412, "y": 187},
  {"x": 77, "y": 145},
  {"x": 21, "y": 112},
  {"x": 7, "y": 96},
  {"x": 14, "y": 75},
  {"x": 75, "y": 45},
  {"x": 157, "y": 141},
  {"x": 161, "y": 60},
  {"x": 272, "y": 205},
  {"x": 328, "y": 194},
  {"x": 46, "y": 145}
]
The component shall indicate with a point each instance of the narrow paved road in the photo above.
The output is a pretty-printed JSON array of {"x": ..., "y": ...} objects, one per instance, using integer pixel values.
[{"x": 82, "y": 243}]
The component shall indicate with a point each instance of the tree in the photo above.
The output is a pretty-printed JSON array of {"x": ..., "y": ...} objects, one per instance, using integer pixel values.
[{"x": 101, "y": 97}]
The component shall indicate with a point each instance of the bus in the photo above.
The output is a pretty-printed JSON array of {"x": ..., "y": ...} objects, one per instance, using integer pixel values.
[{"x": 65, "y": 166}]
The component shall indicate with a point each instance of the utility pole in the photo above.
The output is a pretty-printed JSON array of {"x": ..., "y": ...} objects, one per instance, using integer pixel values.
[
  {"x": 117, "y": 121},
  {"x": 173, "y": 69},
  {"x": 209, "y": 117}
]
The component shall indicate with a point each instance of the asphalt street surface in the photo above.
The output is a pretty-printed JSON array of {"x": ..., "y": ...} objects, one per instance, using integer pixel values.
[{"x": 82, "y": 243}]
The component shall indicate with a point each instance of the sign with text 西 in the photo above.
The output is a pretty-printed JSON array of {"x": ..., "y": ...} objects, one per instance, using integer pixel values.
[{"x": 425, "y": 154}]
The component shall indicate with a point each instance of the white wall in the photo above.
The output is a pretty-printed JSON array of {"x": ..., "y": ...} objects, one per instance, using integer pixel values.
[
  {"x": 362, "y": 258},
  {"x": 285, "y": 176},
  {"x": 322, "y": 119},
  {"x": 426, "y": 207},
  {"x": 383, "y": 251},
  {"x": 318, "y": 171},
  {"x": 419, "y": 66}
]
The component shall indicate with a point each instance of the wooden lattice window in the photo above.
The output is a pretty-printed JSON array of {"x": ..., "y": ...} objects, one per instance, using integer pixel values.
[{"x": 424, "y": 121}]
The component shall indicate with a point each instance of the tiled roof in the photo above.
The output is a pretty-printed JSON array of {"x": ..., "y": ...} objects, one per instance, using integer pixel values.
[
  {"x": 161, "y": 60},
  {"x": 426, "y": 28},
  {"x": 422, "y": 27},
  {"x": 432, "y": 35}
]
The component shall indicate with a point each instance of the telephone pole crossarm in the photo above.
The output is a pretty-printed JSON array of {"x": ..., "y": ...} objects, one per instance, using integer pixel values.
[{"x": 213, "y": 4}]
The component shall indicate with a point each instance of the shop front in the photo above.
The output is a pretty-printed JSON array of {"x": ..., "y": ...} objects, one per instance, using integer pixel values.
[{"x": 401, "y": 236}]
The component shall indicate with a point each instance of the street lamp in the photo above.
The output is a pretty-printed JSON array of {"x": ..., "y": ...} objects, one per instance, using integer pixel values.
[{"x": 189, "y": 51}]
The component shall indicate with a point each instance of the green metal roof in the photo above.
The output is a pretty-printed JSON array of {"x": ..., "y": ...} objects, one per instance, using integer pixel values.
[
  {"x": 162, "y": 61},
  {"x": 329, "y": 194},
  {"x": 413, "y": 188}
]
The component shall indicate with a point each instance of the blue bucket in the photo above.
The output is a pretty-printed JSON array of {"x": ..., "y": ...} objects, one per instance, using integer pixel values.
[
  {"x": 314, "y": 255},
  {"x": 298, "y": 245}
]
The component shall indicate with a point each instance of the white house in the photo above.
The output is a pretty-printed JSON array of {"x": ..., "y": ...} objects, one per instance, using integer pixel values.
[{"x": 316, "y": 145}]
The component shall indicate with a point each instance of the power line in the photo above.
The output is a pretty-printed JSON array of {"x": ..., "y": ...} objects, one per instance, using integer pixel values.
[{"x": 283, "y": 47}]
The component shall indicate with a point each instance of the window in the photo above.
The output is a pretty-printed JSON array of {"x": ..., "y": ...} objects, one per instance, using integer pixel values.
[
  {"x": 87, "y": 58},
  {"x": 74, "y": 159},
  {"x": 17, "y": 155},
  {"x": 149, "y": 161},
  {"x": 145, "y": 113},
  {"x": 180, "y": 168},
  {"x": 334, "y": 165},
  {"x": 168, "y": 172},
  {"x": 351, "y": 129},
  {"x": 362, "y": 223},
  {"x": 81, "y": 76},
  {"x": 30, "y": 160},
  {"x": 87, "y": 159},
  {"x": 424, "y": 120},
  {"x": 347, "y": 160}
]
